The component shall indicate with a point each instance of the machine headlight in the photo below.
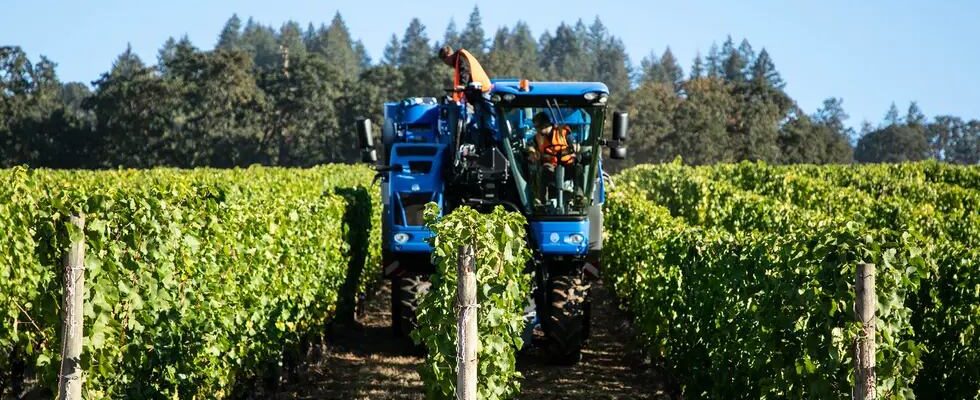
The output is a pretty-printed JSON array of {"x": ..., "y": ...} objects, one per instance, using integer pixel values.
[
  {"x": 591, "y": 96},
  {"x": 575, "y": 238},
  {"x": 401, "y": 237},
  {"x": 509, "y": 97}
]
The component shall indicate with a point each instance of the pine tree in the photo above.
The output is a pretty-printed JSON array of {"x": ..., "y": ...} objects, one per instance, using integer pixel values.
[
  {"x": 176, "y": 57},
  {"x": 832, "y": 114},
  {"x": 613, "y": 69},
  {"x": 563, "y": 55},
  {"x": 804, "y": 139},
  {"x": 914, "y": 116},
  {"x": 134, "y": 109},
  {"x": 662, "y": 69},
  {"x": 896, "y": 140},
  {"x": 581, "y": 31},
  {"x": 941, "y": 132},
  {"x": 502, "y": 61},
  {"x": 764, "y": 71},
  {"x": 128, "y": 63},
  {"x": 607, "y": 56},
  {"x": 37, "y": 127},
  {"x": 727, "y": 47},
  {"x": 595, "y": 40},
  {"x": 747, "y": 55},
  {"x": 891, "y": 117},
  {"x": 451, "y": 37},
  {"x": 544, "y": 56},
  {"x": 310, "y": 36},
  {"x": 701, "y": 123},
  {"x": 217, "y": 101},
  {"x": 954, "y": 140},
  {"x": 73, "y": 93},
  {"x": 473, "y": 38},
  {"x": 414, "y": 50},
  {"x": 697, "y": 67},
  {"x": 651, "y": 69},
  {"x": 424, "y": 74},
  {"x": 733, "y": 66},
  {"x": 337, "y": 48},
  {"x": 291, "y": 39},
  {"x": 714, "y": 62},
  {"x": 230, "y": 36},
  {"x": 525, "y": 49},
  {"x": 166, "y": 53},
  {"x": 362, "y": 55},
  {"x": 303, "y": 124},
  {"x": 260, "y": 41},
  {"x": 391, "y": 51},
  {"x": 653, "y": 113},
  {"x": 964, "y": 148},
  {"x": 892, "y": 143},
  {"x": 673, "y": 74}
]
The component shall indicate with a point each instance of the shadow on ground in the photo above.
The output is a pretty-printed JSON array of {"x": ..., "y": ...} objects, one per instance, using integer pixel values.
[
  {"x": 361, "y": 360},
  {"x": 611, "y": 366}
]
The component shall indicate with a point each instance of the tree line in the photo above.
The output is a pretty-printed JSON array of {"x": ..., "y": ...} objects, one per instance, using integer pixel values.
[{"x": 289, "y": 96}]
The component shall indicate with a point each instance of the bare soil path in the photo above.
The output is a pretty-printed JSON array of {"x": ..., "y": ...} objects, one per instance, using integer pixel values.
[
  {"x": 611, "y": 366},
  {"x": 363, "y": 361}
]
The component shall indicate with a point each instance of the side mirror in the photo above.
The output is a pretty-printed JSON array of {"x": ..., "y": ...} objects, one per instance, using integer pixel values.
[
  {"x": 617, "y": 152},
  {"x": 620, "y": 125},
  {"x": 365, "y": 140},
  {"x": 617, "y": 146}
]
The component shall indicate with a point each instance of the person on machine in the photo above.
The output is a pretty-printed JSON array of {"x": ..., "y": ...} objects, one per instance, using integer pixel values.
[
  {"x": 550, "y": 143},
  {"x": 467, "y": 70},
  {"x": 550, "y": 149}
]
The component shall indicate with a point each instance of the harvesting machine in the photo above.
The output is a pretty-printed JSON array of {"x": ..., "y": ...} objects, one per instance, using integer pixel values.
[{"x": 477, "y": 152}]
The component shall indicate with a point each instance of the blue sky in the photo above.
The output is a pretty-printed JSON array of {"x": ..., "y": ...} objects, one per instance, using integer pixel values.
[{"x": 870, "y": 53}]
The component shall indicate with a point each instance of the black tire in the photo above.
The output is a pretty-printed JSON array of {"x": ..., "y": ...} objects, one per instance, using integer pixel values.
[
  {"x": 405, "y": 295},
  {"x": 565, "y": 325}
]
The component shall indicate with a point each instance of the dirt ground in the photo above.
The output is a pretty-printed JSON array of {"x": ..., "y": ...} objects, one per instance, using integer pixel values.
[{"x": 363, "y": 361}]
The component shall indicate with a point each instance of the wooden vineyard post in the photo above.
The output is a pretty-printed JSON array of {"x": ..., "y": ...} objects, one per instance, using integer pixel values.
[
  {"x": 70, "y": 375},
  {"x": 864, "y": 357},
  {"x": 466, "y": 362}
]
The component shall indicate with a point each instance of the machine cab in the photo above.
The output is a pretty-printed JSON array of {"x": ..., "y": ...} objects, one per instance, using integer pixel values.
[{"x": 554, "y": 130}]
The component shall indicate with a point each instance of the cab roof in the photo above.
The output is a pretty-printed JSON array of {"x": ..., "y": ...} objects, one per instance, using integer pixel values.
[{"x": 505, "y": 86}]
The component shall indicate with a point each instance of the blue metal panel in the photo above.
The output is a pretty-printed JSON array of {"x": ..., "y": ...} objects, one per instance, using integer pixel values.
[
  {"x": 554, "y": 237},
  {"x": 410, "y": 181},
  {"x": 420, "y": 114},
  {"x": 422, "y": 119},
  {"x": 417, "y": 240},
  {"x": 416, "y": 181},
  {"x": 413, "y": 110}
]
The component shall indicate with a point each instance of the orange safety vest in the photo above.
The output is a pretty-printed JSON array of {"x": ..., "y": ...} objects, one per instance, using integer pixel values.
[
  {"x": 477, "y": 74},
  {"x": 555, "y": 149}
]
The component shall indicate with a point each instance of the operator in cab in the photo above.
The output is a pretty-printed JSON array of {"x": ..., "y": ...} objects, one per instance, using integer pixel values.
[
  {"x": 551, "y": 145},
  {"x": 550, "y": 149},
  {"x": 467, "y": 70}
]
